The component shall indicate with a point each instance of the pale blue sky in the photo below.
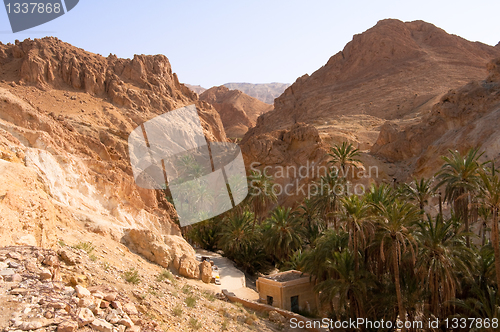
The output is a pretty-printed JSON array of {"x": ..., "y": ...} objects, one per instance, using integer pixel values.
[{"x": 212, "y": 42}]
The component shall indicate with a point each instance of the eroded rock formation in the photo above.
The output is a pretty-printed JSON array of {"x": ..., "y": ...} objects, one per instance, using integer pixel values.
[
  {"x": 65, "y": 117},
  {"x": 237, "y": 110}
]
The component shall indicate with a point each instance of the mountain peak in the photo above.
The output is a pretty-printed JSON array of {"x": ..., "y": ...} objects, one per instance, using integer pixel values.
[{"x": 413, "y": 63}]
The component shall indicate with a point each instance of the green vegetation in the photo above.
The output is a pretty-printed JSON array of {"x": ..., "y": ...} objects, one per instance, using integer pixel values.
[
  {"x": 385, "y": 254},
  {"x": 186, "y": 289},
  {"x": 88, "y": 247},
  {"x": 190, "y": 301},
  {"x": 165, "y": 275},
  {"x": 209, "y": 296},
  {"x": 194, "y": 324},
  {"x": 177, "y": 310},
  {"x": 132, "y": 276}
]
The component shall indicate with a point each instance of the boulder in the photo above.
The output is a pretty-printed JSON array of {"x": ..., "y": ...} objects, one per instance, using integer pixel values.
[
  {"x": 67, "y": 326},
  {"x": 179, "y": 248},
  {"x": 82, "y": 292},
  {"x": 130, "y": 309},
  {"x": 206, "y": 272},
  {"x": 85, "y": 316},
  {"x": 150, "y": 245},
  {"x": 101, "y": 325},
  {"x": 189, "y": 267}
]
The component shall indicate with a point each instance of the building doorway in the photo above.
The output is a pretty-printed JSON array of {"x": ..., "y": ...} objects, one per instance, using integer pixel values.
[
  {"x": 295, "y": 303},
  {"x": 270, "y": 300}
]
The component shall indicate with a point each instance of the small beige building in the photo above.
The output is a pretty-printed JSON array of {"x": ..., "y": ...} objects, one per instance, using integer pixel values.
[{"x": 290, "y": 290}]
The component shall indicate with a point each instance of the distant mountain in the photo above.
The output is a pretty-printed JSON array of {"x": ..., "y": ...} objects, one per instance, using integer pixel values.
[
  {"x": 394, "y": 71},
  {"x": 196, "y": 88},
  {"x": 264, "y": 92},
  {"x": 238, "y": 111}
]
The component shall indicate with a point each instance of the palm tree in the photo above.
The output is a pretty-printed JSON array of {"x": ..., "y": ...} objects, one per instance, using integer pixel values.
[
  {"x": 396, "y": 224},
  {"x": 460, "y": 175},
  {"x": 419, "y": 191},
  {"x": 442, "y": 259},
  {"x": 490, "y": 196},
  {"x": 307, "y": 213},
  {"x": 237, "y": 233},
  {"x": 484, "y": 303},
  {"x": 282, "y": 234},
  {"x": 314, "y": 260},
  {"x": 344, "y": 155},
  {"x": 326, "y": 201},
  {"x": 356, "y": 215},
  {"x": 381, "y": 194},
  {"x": 261, "y": 194},
  {"x": 346, "y": 288}
]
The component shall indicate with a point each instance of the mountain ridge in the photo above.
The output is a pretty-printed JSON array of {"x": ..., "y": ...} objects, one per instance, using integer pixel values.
[
  {"x": 238, "y": 111},
  {"x": 394, "y": 70}
]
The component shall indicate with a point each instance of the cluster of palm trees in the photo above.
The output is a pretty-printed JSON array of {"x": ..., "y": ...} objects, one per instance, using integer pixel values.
[{"x": 387, "y": 254}]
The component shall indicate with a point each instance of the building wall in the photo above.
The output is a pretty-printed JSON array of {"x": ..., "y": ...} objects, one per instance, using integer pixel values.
[
  {"x": 282, "y": 293},
  {"x": 305, "y": 293},
  {"x": 269, "y": 288}
]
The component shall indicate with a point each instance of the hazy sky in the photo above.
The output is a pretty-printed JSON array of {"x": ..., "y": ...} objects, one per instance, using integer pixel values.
[{"x": 211, "y": 42}]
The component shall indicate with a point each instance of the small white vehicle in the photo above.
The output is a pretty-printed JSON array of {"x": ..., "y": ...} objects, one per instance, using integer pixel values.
[{"x": 217, "y": 280}]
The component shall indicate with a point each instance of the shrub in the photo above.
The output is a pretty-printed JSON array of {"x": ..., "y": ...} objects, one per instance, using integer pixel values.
[
  {"x": 177, "y": 311},
  {"x": 165, "y": 274},
  {"x": 88, "y": 247},
  {"x": 209, "y": 296},
  {"x": 194, "y": 324},
  {"x": 186, "y": 289},
  {"x": 132, "y": 276},
  {"x": 190, "y": 301}
]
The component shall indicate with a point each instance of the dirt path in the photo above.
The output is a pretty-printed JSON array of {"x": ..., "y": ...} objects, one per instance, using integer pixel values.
[{"x": 231, "y": 277}]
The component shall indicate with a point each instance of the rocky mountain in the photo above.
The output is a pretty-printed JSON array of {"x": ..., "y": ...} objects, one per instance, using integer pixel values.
[
  {"x": 196, "y": 88},
  {"x": 386, "y": 79},
  {"x": 464, "y": 118},
  {"x": 266, "y": 92},
  {"x": 238, "y": 111},
  {"x": 393, "y": 71},
  {"x": 65, "y": 117}
]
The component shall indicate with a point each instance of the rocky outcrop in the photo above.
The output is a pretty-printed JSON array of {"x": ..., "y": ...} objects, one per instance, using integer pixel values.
[
  {"x": 196, "y": 88},
  {"x": 149, "y": 245},
  {"x": 145, "y": 83},
  {"x": 59, "y": 307},
  {"x": 237, "y": 110},
  {"x": 463, "y": 118},
  {"x": 65, "y": 117},
  {"x": 206, "y": 272},
  {"x": 300, "y": 147},
  {"x": 265, "y": 92},
  {"x": 395, "y": 70},
  {"x": 189, "y": 267}
]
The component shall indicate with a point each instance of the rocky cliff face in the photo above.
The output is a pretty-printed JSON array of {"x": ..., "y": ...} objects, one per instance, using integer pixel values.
[
  {"x": 238, "y": 111},
  {"x": 65, "y": 117},
  {"x": 196, "y": 88},
  {"x": 395, "y": 70},
  {"x": 464, "y": 118},
  {"x": 265, "y": 92}
]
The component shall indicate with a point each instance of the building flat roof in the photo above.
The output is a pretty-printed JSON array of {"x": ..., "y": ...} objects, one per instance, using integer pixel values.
[{"x": 286, "y": 276}]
